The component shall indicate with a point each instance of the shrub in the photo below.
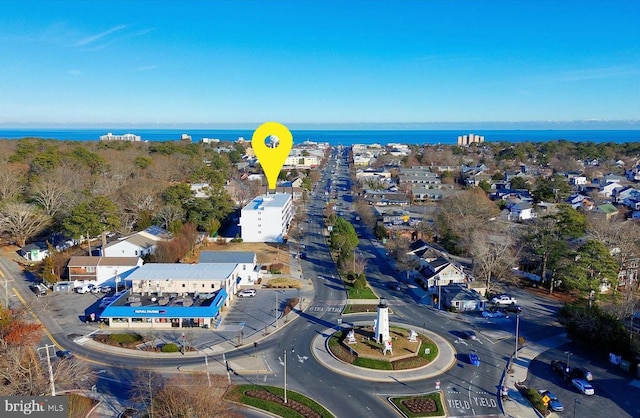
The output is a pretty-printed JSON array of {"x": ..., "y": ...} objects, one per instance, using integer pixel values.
[
  {"x": 170, "y": 348},
  {"x": 536, "y": 400}
]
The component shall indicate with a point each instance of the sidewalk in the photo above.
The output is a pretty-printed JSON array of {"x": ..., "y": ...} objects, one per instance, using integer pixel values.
[{"x": 517, "y": 406}]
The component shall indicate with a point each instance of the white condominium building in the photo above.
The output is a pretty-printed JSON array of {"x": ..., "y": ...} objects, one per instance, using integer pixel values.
[
  {"x": 266, "y": 218},
  {"x": 125, "y": 137}
]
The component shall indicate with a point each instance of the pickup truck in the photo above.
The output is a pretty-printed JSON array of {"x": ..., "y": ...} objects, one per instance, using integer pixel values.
[{"x": 504, "y": 300}]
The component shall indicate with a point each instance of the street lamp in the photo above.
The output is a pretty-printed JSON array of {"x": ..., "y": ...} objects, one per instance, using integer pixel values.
[
  {"x": 568, "y": 353},
  {"x": 575, "y": 402}
]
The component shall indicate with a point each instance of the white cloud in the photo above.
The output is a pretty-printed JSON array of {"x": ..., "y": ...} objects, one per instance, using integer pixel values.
[
  {"x": 99, "y": 36},
  {"x": 147, "y": 68}
]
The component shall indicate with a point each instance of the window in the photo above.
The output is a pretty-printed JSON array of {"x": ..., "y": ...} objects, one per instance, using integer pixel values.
[
  {"x": 91, "y": 269},
  {"x": 184, "y": 285},
  {"x": 213, "y": 286}
]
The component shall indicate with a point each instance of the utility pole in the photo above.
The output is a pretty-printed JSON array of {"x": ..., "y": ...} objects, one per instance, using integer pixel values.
[
  {"x": 517, "y": 330},
  {"x": 276, "y": 309},
  {"x": 285, "y": 376},
  {"x": 52, "y": 382}
]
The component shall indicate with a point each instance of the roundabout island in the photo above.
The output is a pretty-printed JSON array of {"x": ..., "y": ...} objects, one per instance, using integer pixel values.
[{"x": 383, "y": 351}]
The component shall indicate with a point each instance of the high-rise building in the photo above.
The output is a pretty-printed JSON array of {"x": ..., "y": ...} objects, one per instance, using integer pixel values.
[
  {"x": 266, "y": 218},
  {"x": 470, "y": 139}
]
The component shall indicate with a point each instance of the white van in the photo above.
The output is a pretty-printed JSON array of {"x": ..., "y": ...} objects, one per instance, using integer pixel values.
[{"x": 83, "y": 289}]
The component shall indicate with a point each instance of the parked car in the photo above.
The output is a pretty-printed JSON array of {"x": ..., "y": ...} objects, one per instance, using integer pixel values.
[
  {"x": 106, "y": 289},
  {"x": 580, "y": 373},
  {"x": 492, "y": 314},
  {"x": 560, "y": 367},
  {"x": 468, "y": 334},
  {"x": 64, "y": 354},
  {"x": 554, "y": 404},
  {"x": 583, "y": 386},
  {"x": 474, "y": 359},
  {"x": 247, "y": 293},
  {"x": 83, "y": 289},
  {"x": 512, "y": 309},
  {"x": 504, "y": 300},
  {"x": 39, "y": 289}
]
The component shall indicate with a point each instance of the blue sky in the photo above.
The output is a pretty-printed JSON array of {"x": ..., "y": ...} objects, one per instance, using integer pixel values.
[{"x": 302, "y": 62}]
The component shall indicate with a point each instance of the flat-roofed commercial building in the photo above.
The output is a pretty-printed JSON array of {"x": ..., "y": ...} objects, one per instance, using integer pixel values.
[
  {"x": 266, "y": 218},
  {"x": 168, "y": 295}
]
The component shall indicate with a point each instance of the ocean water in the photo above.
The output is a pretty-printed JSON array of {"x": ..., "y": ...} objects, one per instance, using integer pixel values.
[{"x": 340, "y": 137}]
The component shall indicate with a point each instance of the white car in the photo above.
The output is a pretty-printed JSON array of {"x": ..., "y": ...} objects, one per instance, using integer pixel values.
[
  {"x": 504, "y": 300},
  {"x": 247, "y": 293},
  {"x": 583, "y": 386}
]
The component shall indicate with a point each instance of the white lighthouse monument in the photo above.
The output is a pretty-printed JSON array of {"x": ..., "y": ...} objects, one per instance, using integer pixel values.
[{"x": 381, "y": 325}]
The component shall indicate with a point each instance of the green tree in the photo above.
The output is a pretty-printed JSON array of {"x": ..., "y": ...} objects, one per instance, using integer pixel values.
[
  {"x": 484, "y": 185},
  {"x": 544, "y": 242},
  {"x": 47, "y": 271},
  {"x": 519, "y": 183},
  {"x": 344, "y": 239},
  {"x": 592, "y": 265},
  {"x": 92, "y": 217},
  {"x": 177, "y": 194},
  {"x": 551, "y": 189}
]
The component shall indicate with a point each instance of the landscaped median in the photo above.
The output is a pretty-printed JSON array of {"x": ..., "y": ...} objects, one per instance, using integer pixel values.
[
  {"x": 271, "y": 399},
  {"x": 427, "y": 405}
]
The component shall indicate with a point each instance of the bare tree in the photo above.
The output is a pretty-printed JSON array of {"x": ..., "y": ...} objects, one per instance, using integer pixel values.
[
  {"x": 192, "y": 395},
  {"x": 52, "y": 190},
  {"x": 169, "y": 214},
  {"x": 12, "y": 180},
  {"x": 145, "y": 386},
  {"x": 493, "y": 257},
  {"x": 22, "y": 221},
  {"x": 467, "y": 212},
  {"x": 359, "y": 264}
]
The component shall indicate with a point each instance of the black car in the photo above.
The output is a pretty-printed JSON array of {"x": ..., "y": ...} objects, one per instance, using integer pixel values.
[
  {"x": 560, "y": 367},
  {"x": 468, "y": 334},
  {"x": 512, "y": 309},
  {"x": 64, "y": 354}
]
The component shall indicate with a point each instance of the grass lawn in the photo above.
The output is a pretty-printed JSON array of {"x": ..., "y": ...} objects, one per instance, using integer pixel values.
[{"x": 365, "y": 293}]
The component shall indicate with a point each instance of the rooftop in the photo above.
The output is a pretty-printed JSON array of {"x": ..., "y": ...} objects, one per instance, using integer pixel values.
[
  {"x": 275, "y": 200},
  {"x": 169, "y": 271}
]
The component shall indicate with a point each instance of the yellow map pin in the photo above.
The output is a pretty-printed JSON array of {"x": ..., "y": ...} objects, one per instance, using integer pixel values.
[{"x": 272, "y": 156}]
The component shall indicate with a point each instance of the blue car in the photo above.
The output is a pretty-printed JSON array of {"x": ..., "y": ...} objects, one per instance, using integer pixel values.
[
  {"x": 554, "y": 404},
  {"x": 474, "y": 359}
]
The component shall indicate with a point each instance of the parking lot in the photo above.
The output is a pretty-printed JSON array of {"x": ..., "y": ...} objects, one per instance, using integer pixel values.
[
  {"x": 246, "y": 316},
  {"x": 615, "y": 389}
]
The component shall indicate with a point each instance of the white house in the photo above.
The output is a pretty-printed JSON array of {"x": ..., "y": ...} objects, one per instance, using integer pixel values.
[
  {"x": 248, "y": 269},
  {"x": 36, "y": 251},
  {"x": 521, "y": 211},
  {"x": 442, "y": 272},
  {"x": 101, "y": 270},
  {"x": 139, "y": 244},
  {"x": 266, "y": 218}
]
